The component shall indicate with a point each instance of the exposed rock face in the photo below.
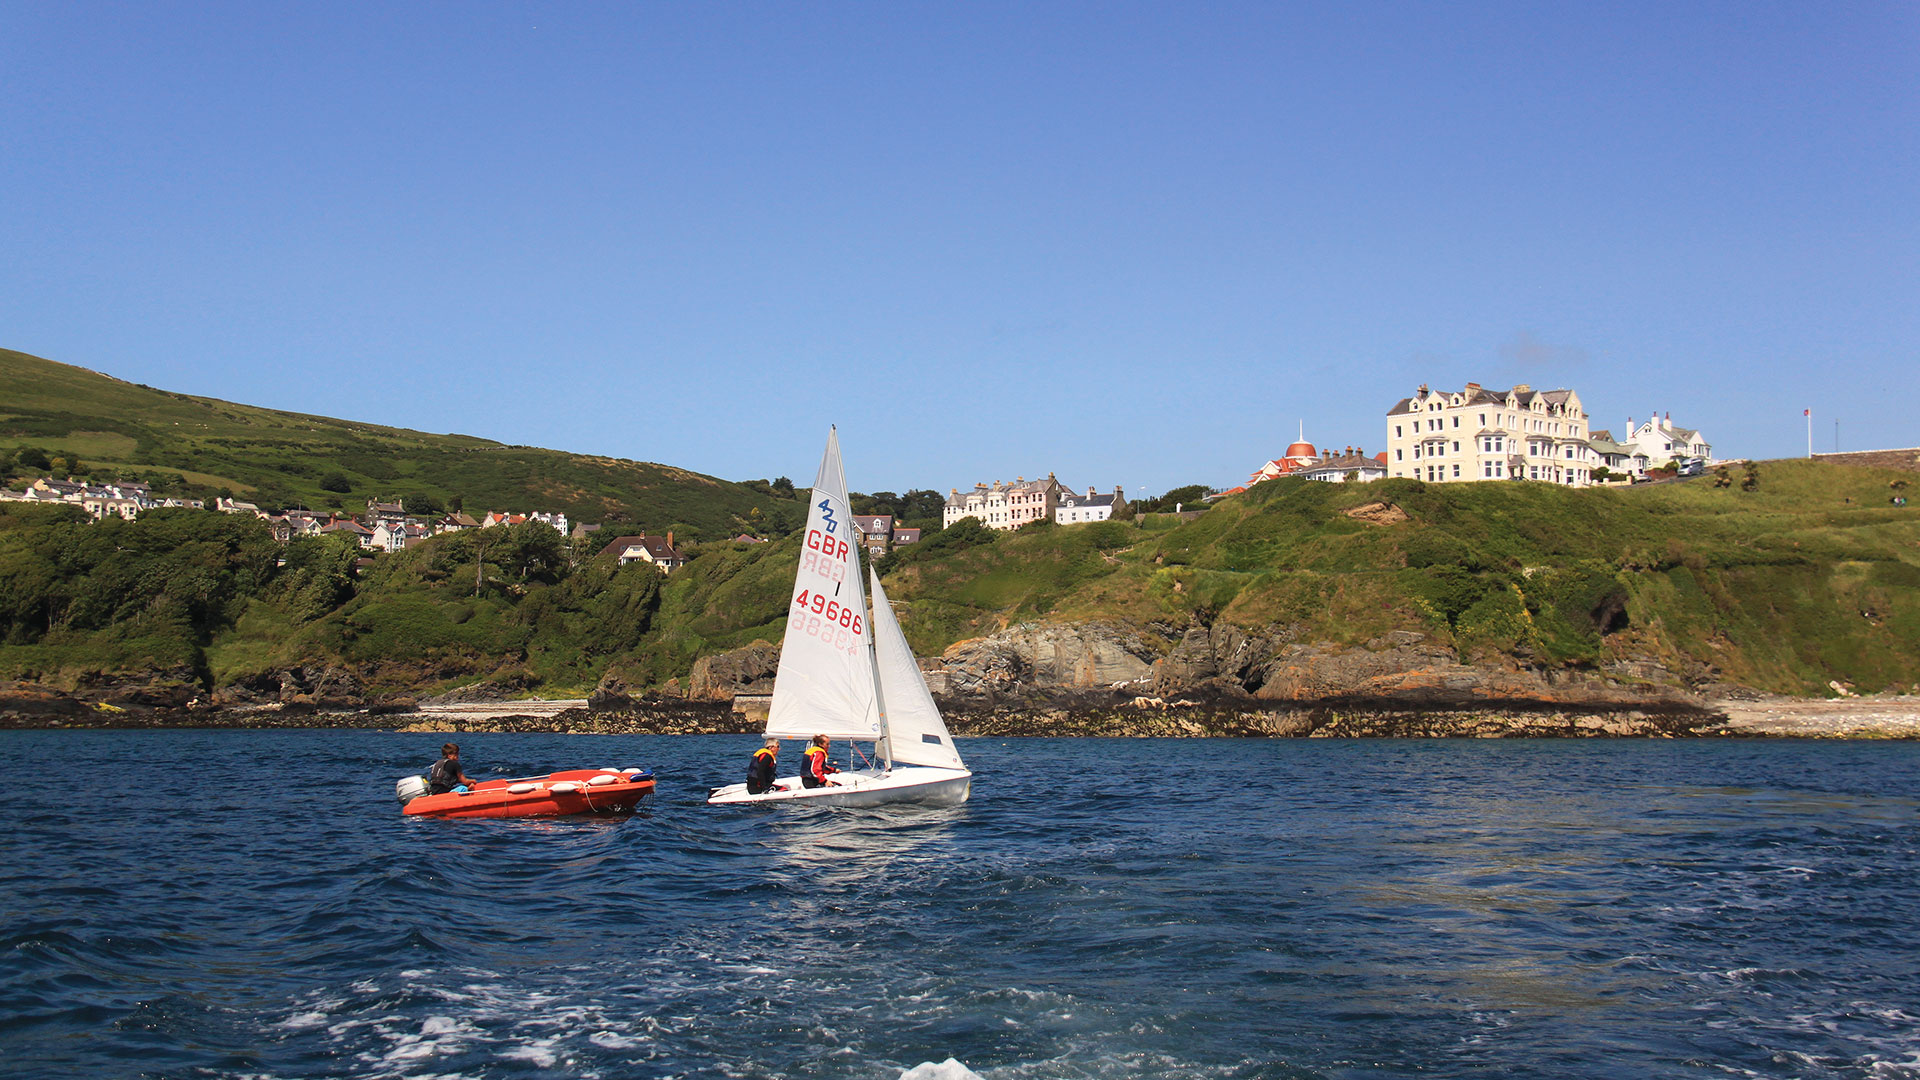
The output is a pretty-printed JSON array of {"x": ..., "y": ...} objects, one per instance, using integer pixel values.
[
  {"x": 1377, "y": 513},
  {"x": 1223, "y": 659},
  {"x": 1400, "y": 669},
  {"x": 746, "y": 670},
  {"x": 170, "y": 688},
  {"x": 1032, "y": 654},
  {"x": 610, "y": 696}
]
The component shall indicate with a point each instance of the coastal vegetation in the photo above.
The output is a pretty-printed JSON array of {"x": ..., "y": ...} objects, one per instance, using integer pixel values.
[
  {"x": 1797, "y": 577},
  {"x": 1808, "y": 579}
]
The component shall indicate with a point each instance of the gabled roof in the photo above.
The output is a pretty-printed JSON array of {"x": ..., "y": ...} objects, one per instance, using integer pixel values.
[
  {"x": 1346, "y": 463},
  {"x": 1086, "y": 500},
  {"x": 656, "y": 547}
]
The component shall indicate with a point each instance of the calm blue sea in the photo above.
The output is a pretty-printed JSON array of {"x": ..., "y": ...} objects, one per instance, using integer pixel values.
[{"x": 253, "y": 904}]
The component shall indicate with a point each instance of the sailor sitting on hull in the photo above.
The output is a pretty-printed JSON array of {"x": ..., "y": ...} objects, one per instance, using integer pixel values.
[
  {"x": 761, "y": 770},
  {"x": 816, "y": 770}
]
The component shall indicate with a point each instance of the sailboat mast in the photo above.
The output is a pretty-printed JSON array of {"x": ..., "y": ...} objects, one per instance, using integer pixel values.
[{"x": 885, "y": 745}]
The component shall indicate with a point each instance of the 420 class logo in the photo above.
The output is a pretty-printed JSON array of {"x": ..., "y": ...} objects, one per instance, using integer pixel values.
[{"x": 826, "y": 514}]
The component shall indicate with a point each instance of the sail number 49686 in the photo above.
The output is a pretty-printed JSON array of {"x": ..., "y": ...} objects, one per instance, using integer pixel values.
[{"x": 830, "y": 610}]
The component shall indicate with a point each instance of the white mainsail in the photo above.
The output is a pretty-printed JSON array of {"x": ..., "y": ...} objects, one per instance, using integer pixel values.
[
  {"x": 915, "y": 731},
  {"x": 825, "y": 684}
]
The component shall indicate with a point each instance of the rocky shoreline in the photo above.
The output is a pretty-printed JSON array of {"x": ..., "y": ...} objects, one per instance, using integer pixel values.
[{"x": 1052, "y": 715}]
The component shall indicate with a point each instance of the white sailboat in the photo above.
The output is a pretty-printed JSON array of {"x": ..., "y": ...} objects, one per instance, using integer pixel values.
[{"x": 850, "y": 676}]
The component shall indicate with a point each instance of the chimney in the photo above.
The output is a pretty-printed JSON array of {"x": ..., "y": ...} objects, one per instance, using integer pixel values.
[{"x": 669, "y": 537}]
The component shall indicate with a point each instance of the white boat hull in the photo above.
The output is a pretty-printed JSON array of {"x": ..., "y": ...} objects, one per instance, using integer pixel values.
[{"x": 903, "y": 784}]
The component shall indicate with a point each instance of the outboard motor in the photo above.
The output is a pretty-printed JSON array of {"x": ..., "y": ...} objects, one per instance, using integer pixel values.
[{"x": 410, "y": 788}]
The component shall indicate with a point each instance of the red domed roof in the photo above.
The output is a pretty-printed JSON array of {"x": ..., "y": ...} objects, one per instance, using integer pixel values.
[{"x": 1302, "y": 449}]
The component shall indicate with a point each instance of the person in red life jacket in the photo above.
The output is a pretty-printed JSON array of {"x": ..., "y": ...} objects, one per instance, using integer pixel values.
[
  {"x": 760, "y": 771},
  {"x": 814, "y": 772},
  {"x": 446, "y": 774}
]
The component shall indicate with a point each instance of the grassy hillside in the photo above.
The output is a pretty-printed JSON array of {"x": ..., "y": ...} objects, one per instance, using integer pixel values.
[
  {"x": 1811, "y": 577},
  {"x": 278, "y": 459},
  {"x": 1808, "y": 579}
]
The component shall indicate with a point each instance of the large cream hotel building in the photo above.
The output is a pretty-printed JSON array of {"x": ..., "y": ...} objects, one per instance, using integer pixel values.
[{"x": 1481, "y": 434}]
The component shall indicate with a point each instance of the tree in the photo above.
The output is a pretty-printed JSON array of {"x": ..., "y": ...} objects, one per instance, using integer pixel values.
[
  {"x": 336, "y": 481},
  {"x": 421, "y": 503},
  {"x": 782, "y": 487}
]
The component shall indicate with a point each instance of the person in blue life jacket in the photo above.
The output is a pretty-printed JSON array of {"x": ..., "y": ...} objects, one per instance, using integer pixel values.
[
  {"x": 761, "y": 770},
  {"x": 446, "y": 774},
  {"x": 816, "y": 770}
]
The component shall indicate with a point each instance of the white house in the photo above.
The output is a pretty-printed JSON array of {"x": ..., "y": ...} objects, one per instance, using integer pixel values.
[
  {"x": 1661, "y": 441},
  {"x": 657, "y": 550},
  {"x": 1078, "y": 509},
  {"x": 1339, "y": 468}
]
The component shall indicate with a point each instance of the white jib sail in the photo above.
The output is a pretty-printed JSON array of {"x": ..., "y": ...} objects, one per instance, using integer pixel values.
[
  {"x": 914, "y": 727},
  {"x": 825, "y": 682}
]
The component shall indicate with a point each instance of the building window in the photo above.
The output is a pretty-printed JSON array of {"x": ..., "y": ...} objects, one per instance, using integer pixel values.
[
  {"x": 1456, "y": 472},
  {"x": 1399, "y": 455},
  {"x": 1456, "y": 446},
  {"x": 1456, "y": 421},
  {"x": 1396, "y": 431}
]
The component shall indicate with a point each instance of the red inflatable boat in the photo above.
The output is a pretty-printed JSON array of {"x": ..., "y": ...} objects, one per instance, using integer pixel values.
[{"x": 575, "y": 791}]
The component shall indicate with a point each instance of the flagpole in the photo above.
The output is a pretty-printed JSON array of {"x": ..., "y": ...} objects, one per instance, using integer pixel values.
[{"x": 1809, "y": 413}]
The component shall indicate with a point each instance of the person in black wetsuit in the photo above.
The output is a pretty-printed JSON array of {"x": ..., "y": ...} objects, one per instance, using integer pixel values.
[
  {"x": 760, "y": 771},
  {"x": 446, "y": 774},
  {"x": 814, "y": 773}
]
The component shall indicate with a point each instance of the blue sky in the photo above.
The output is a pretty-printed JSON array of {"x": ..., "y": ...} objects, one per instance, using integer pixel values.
[{"x": 1129, "y": 244}]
